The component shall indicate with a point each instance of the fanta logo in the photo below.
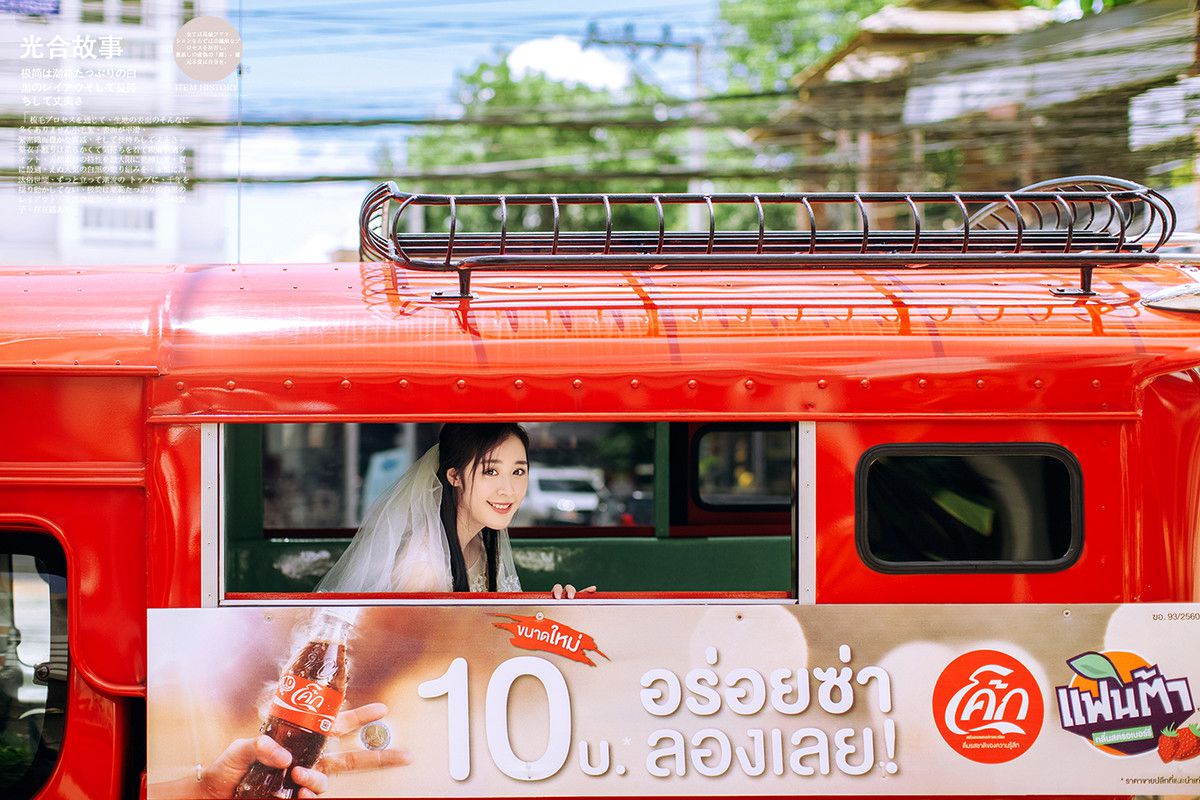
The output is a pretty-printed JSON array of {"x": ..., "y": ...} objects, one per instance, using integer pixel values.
[
  {"x": 1121, "y": 703},
  {"x": 988, "y": 706}
]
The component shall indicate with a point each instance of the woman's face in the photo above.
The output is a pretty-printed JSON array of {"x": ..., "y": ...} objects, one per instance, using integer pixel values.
[{"x": 493, "y": 491}]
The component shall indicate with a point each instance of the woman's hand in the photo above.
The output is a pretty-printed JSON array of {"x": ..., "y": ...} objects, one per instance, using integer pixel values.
[{"x": 569, "y": 592}]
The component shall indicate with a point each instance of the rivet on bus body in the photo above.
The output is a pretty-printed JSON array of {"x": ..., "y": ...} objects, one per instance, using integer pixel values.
[
  {"x": 578, "y": 384},
  {"x": 922, "y": 383},
  {"x": 864, "y": 383},
  {"x": 231, "y": 385},
  {"x": 519, "y": 384},
  {"x": 346, "y": 384},
  {"x": 822, "y": 384},
  {"x": 460, "y": 383},
  {"x": 118, "y": 362},
  {"x": 76, "y": 362},
  {"x": 180, "y": 386},
  {"x": 1038, "y": 384},
  {"x": 691, "y": 384},
  {"x": 749, "y": 385},
  {"x": 979, "y": 384},
  {"x": 1096, "y": 384},
  {"x": 403, "y": 383},
  {"x": 633, "y": 383},
  {"x": 288, "y": 384},
  {"x": 35, "y": 362}
]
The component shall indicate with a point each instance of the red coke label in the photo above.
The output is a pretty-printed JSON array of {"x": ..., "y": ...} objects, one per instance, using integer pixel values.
[{"x": 306, "y": 703}]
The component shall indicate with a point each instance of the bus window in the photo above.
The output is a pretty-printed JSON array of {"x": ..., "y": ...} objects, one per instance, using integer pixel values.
[
  {"x": 595, "y": 509},
  {"x": 33, "y": 661},
  {"x": 320, "y": 477},
  {"x": 960, "y": 508},
  {"x": 740, "y": 466}
]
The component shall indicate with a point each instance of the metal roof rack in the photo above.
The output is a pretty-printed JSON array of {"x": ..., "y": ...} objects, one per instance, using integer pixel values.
[{"x": 1080, "y": 222}]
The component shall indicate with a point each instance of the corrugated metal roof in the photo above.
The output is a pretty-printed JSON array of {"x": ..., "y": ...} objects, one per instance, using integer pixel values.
[
  {"x": 1028, "y": 69},
  {"x": 893, "y": 37}
]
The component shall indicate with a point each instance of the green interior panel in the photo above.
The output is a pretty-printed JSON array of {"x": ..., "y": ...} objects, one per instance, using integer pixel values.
[{"x": 743, "y": 563}]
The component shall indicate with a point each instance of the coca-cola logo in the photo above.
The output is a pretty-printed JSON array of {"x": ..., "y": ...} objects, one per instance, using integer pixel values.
[
  {"x": 306, "y": 703},
  {"x": 988, "y": 706},
  {"x": 308, "y": 697}
]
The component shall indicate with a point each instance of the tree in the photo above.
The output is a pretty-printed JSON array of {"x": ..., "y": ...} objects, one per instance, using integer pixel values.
[
  {"x": 525, "y": 154},
  {"x": 767, "y": 42}
]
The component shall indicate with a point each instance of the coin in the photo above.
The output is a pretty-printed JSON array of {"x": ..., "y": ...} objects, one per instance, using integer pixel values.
[{"x": 375, "y": 735}]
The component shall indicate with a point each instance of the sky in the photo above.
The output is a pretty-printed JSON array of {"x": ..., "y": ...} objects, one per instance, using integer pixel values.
[{"x": 376, "y": 58}]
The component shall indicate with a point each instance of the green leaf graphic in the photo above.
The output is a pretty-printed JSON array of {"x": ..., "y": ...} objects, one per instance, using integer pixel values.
[{"x": 1094, "y": 666}]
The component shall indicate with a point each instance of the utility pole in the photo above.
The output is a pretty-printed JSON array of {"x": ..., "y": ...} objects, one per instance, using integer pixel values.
[{"x": 627, "y": 39}]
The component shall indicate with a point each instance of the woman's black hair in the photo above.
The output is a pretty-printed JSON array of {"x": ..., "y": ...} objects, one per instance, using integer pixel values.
[{"x": 462, "y": 445}]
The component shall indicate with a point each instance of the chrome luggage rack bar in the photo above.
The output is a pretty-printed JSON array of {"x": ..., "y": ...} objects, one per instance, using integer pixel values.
[{"x": 1080, "y": 222}]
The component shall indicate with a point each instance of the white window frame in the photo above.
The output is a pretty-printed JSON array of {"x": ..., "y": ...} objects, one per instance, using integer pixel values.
[{"x": 212, "y": 539}]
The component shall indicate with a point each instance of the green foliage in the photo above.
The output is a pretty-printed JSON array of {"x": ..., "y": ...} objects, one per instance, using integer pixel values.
[
  {"x": 557, "y": 157},
  {"x": 767, "y": 42},
  {"x": 16, "y": 756},
  {"x": 625, "y": 447},
  {"x": 1090, "y": 7}
]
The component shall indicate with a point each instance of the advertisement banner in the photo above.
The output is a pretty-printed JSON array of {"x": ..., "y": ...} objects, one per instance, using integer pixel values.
[{"x": 594, "y": 700}]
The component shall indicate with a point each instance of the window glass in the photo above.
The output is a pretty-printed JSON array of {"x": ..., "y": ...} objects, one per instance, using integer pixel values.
[
  {"x": 744, "y": 466},
  {"x": 930, "y": 509},
  {"x": 131, "y": 12},
  {"x": 324, "y": 476},
  {"x": 91, "y": 11},
  {"x": 33, "y": 664}
]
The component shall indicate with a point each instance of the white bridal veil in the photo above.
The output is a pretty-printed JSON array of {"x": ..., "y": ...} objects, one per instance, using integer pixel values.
[{"x": 401, "y": 545}]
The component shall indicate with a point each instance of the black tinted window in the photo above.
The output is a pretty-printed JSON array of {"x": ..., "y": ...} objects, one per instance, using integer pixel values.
[{"x": 963, "y": 507}]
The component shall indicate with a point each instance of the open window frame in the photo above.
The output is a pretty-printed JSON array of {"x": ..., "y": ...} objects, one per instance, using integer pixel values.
[{"x": 800, "y": 545}]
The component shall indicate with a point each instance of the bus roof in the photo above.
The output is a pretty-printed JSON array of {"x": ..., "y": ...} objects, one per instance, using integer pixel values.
[{"x": 363, "y": 340}]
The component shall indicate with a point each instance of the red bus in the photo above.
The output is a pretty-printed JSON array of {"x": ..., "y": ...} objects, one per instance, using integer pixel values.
[{"x": 948, "y": 418}]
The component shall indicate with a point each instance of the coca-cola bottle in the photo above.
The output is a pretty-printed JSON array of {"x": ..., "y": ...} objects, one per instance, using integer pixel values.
[{"x": 306, "y": 703}]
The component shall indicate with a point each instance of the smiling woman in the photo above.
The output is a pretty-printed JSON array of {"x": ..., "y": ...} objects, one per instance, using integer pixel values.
[{"x": 443, "y": 527}]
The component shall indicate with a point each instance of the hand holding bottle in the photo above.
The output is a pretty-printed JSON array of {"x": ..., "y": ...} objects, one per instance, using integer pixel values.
[
  {"x": 220, "y": 778},
  {"x": 305, "y": 708}
]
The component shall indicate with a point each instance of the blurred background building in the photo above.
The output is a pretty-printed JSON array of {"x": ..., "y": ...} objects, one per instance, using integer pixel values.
[
  {"x": 97, "y": 167},
  {"x": 992, "y": 95}
]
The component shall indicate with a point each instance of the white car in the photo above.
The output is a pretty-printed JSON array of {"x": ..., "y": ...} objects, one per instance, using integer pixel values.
[{"x": 563, "y": 496}]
